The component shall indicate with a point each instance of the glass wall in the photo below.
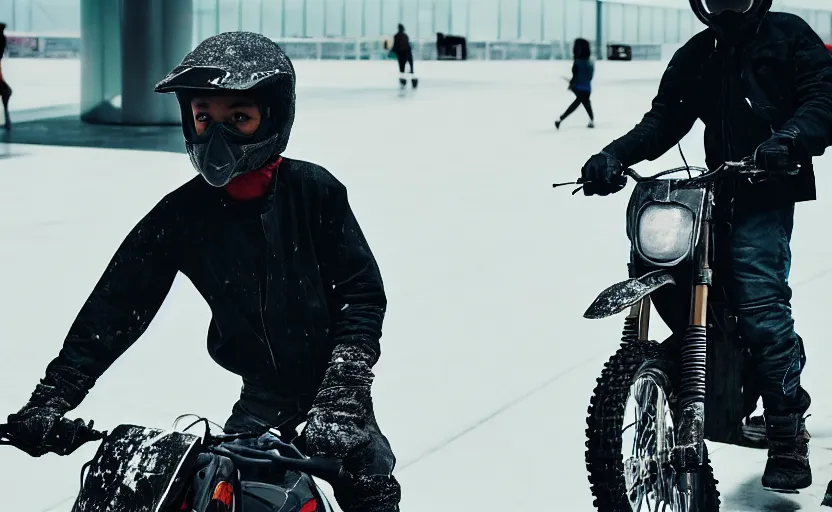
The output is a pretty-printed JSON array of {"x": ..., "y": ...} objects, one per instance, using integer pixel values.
[
  {"x": 479, "y": 20},
  {"x": 44, "y": 16}
]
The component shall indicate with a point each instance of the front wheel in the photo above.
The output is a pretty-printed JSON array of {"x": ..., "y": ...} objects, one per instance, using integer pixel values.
[{"x": 630, "y": 436}]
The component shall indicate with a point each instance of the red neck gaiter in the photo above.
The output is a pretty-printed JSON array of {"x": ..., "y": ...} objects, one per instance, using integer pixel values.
[{"x": 254, "y": 184}]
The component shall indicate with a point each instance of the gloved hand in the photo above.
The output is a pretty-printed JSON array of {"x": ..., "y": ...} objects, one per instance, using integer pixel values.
[
  {"x": 40, "y": 427},
  {"x": 602, "y": 175},
  {"x": 38, "y": 430},
  {"x": 337, "y": 422},
  {"x": 342, "y": 424},
  {"x": 776, "y": 155}
]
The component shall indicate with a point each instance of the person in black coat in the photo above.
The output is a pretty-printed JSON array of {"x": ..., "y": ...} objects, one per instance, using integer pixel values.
[
  {"x": 5, "y": 90},
  {"x": 404, "y": 54},
  {"x": 273, "y": 246},
  {"x": 761, "y": 82}
]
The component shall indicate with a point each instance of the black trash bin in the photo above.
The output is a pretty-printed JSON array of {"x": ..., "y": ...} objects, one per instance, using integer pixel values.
[
  {"x": 451, "y": 47},
  {"x": 619, "y": 52}
]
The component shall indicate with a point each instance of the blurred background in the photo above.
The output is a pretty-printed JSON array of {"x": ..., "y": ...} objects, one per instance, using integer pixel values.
[{"x": 636, "y": 22}]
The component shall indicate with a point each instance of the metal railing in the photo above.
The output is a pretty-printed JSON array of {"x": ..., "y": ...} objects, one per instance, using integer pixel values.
[{"x": 336, "y": 48}]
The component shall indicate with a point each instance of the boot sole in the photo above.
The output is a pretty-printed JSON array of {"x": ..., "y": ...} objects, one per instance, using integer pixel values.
[
  {"x": 795, "y": 490},
  {"x": 784, "y": 491}
]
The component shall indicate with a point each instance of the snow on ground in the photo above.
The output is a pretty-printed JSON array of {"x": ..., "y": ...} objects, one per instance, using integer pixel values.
[{"x": 487, "y": 366}]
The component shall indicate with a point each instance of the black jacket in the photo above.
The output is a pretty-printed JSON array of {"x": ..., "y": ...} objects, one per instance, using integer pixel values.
[
  {"x": 780, "y": 78},
  {"x": 401, "y": 44},
  {"x": 287, "y": 278}
]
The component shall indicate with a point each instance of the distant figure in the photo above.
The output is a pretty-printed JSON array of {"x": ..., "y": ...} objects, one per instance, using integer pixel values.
[
  {"x": 401, "y": 47},
  {"x": 5, "y": 90},
  {"x": 581, "y": 83},
  {"x": 451, "y": 47}
]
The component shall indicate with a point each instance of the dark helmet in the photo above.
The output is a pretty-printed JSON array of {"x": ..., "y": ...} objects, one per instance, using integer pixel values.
[
  {"x": 401, "y": 27},
  {"x": 231, "y": 63},
  {"x": 731, "y": 19}
]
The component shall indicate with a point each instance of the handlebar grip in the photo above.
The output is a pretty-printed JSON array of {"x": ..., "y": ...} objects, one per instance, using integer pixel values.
[
  {"x": 63, "y": 438},
  {"x": 78, "y": 432}
]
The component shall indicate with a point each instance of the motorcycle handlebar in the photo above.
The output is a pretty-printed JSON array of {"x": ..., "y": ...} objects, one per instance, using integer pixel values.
[
  {"x": 78, "y": 432},
  {"x": 744, "y": 166},
  {"x": 331, "y": 470}
]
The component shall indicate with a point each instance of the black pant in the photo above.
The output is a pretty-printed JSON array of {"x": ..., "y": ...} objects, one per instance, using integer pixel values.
[
  {"x": 5, "y": 94},
  {"x": 406, "y": 58},
  {"x": 257, "y": 410},
  {"x": 756, "y": 260},
  {"x": 581, "y": 98}
]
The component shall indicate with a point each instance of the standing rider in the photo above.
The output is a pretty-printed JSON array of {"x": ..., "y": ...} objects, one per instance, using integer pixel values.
[{"x": 761, "y": 82}]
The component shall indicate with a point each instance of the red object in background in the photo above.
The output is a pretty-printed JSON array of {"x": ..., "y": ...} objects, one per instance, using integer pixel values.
[{"x": 829, "y": 47}]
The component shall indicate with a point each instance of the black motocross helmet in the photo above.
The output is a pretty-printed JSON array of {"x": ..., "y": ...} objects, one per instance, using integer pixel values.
[
  {"x": 234, "y": 63},
  {"x": 732, "y": 20}
]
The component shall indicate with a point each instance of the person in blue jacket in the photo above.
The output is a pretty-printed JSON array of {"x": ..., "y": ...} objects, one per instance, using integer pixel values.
[{"x": 581, "y": 83}]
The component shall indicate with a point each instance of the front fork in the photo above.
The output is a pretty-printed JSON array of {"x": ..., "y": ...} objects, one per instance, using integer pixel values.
[
  {"x": 687, "y": 454},
  {"x": 690, "y": 436}
]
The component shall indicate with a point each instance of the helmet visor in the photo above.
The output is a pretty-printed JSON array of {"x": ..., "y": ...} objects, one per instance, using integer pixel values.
[{"x": 714, "y": 7}]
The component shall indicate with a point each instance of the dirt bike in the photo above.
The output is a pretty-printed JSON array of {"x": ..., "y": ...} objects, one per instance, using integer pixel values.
[
  {"x": 656, "y": 403},
  {"x": 152, "y": 470}
]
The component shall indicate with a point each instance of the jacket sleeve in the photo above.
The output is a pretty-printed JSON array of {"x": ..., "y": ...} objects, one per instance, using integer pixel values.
[
  {"x": 120, "y": 307},
  {"x": 811, "y": 124},
  {"x": 670, "y": 118},
  {"x": 356, "y": 280}
]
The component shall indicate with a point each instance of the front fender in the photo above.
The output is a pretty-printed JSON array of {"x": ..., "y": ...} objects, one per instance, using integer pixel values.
[{"x": 625, "y": 294}]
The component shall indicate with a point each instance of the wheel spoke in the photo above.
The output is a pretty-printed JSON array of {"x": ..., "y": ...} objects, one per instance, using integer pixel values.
[{"x": 652, "y": 483}]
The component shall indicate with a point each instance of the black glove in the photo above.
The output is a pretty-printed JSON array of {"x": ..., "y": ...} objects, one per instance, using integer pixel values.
[
  {"x": 602, "y": 175},
  {"x": 342, "y": 424},
  {"x": 337, "y": 423},
  {"x": 38, "y": 430},
  {"x": 40, "y": 427},
  {"x": 776, "y": 155}
]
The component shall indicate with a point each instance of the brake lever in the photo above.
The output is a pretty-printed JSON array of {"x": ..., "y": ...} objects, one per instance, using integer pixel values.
[
  {"x": 556, "y": 185},
  {"x": 579, "y": 183}
]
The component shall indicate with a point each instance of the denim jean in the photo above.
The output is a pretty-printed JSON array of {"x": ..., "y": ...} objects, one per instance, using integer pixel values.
[{"x": 759, "y": 256}]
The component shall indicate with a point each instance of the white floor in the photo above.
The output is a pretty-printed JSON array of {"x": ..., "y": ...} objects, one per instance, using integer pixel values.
[{"x": 487, "y": 366}]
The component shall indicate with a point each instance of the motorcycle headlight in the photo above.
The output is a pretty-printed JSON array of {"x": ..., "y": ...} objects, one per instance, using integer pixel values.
[{"x": 665, "y": 232}]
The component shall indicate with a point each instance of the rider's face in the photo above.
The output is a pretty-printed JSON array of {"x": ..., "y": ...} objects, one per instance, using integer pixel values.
[{"x": 238, "y": 111}]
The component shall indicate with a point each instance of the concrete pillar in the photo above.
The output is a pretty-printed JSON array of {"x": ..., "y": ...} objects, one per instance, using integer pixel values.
[{"x": 121, "y": 62}]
